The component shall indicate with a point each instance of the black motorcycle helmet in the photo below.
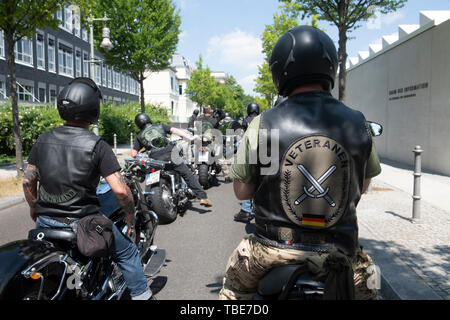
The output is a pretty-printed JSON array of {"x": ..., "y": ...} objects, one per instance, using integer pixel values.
[
  {"x": 80, "y": 101},
  {"x": 195, "y": 113},
  {"x": 252, "y": 107},
  {"x": 141, "y": 120},
  {"x": 303, "y": 55}
]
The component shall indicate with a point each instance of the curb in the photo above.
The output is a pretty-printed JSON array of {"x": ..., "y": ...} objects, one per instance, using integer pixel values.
[{"x": 8, "y": 202}]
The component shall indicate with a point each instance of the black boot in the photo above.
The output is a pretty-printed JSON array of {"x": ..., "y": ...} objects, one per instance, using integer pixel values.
[{"x": 243, "y": 216}]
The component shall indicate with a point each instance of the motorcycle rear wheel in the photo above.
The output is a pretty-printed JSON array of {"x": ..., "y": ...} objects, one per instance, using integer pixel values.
[
  {"x": 203, "y": 175},
  {"x": 161, "y": 195}
]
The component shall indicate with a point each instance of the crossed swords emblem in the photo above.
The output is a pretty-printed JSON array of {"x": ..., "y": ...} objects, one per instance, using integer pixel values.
[{"x": 316, "y": 185}]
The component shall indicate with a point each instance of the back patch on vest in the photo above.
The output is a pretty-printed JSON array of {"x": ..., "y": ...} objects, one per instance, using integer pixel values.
[{"x": 315, "y": 174}]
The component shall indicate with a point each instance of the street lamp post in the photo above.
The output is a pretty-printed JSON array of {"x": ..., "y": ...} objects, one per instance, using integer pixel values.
[{"x": 106, "y": 44}]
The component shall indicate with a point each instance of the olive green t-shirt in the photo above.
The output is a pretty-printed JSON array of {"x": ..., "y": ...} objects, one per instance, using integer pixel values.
[{"x": 246, "y": 171}]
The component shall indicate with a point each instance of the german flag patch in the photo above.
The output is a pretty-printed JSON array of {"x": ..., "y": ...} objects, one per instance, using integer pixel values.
[{"x": 313, "y": 220}]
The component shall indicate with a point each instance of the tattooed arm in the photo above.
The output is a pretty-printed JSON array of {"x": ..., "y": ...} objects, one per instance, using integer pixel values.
[
  {"x": 29, "y": 183},
  {"x": 123, "y": 195}
]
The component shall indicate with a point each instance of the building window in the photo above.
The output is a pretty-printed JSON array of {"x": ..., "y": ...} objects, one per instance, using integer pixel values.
[
  {"x": 23, "y": 51},
  {"x": 40, "y": 51},
  {"x": 65, "y": 16},
  {"x": 25, "y": 93},
  {"x": 98, "y": 72},
  {"x": 51, "y": 55},
  {"x": 85, "y": 65},
  {"x": 122, "y": 79},
  {"x": 42, "y": 95},
  {"x": 3, "y": 90},
  {"x": 76, "y": 24},
  {"x": 84, "y": 35},
  {"x": 2, "y": 44},
  {"x": 104, "y": 78},
  {"x": 171, "y": 105},
  {"x": 53, "y": 95},
  {"x": 65, "y": 60},
  {"x": 171, "y": 83},
  {"x": 109, "y": 77},
  {"x": 180, "y": 89},
  {"x": 78, "y": 63},
  {"x": 116, "y": 80}
]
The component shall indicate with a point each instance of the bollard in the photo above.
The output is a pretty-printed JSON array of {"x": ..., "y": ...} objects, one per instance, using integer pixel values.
[
  {"x": 416, "y": 193},
  {"x": 115, "y": 143},
  {"x": 131, "y": 141}
]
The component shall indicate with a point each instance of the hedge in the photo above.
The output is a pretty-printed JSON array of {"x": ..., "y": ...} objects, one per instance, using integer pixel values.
[{"x": 35, "y": 120}]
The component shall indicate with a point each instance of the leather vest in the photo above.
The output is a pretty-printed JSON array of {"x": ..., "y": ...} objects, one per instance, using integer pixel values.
[
  {"x": 67, "y": 176},
  {"x": 322, "y": 154}
]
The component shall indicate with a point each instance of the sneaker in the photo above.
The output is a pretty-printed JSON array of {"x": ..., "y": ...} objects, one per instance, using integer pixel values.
[
  {"x": 243, "y": 216},
  {"x": 206, "y": 203}
]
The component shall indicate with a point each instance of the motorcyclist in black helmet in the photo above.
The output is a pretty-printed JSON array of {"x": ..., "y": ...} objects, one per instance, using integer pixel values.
[
  {"x": 153, "y": 138},
  {"x": 63, "y": 171},
  {"x": 252, "y": 111},
  {"x": 193, "y": 118},
  {"x": 305, "y": 197}
]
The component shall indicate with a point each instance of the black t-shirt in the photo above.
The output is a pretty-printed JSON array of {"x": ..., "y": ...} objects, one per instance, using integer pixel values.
[{"x": 105, "y": 160}]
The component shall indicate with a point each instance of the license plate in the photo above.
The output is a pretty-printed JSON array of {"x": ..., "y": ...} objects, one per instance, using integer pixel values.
[
  {"x": 203, "y": 156},
  {"x": 152, "y": 178}
]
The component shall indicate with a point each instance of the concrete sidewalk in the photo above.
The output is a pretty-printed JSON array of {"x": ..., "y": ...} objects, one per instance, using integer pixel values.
[{"x": 414, "y": 258}]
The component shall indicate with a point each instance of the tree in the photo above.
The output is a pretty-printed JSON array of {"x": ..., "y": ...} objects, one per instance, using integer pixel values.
[
  {"x": 285, "y": 19},
  {"x": 144, "y": 34},
  {"x": 201, "y": 87},
  {"x": 346, "y": 15},
  {"x": 18, "y": 20}
]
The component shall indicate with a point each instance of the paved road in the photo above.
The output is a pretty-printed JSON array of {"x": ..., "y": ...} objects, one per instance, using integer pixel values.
[{"x": 198, "y": 245}]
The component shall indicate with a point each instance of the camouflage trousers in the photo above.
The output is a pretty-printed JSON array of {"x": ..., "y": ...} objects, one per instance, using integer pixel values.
[
  {"x": 226, "y": 165},
  {"x": 250, "y": 261}
]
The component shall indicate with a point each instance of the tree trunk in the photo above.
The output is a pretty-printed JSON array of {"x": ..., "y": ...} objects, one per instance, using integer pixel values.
[
  {"x": 14, "y": 103},
  {"x": 342, "y": 58},
  {"x": 141, "y": 82}
]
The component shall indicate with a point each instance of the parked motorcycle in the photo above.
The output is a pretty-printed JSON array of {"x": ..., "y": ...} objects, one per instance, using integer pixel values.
[
  {"x": 166, "y": 191},
  {"x": 48, "y": 265}
]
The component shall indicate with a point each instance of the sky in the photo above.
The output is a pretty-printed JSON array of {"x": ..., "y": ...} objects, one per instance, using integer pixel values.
[{"x": 226, "y": 33}]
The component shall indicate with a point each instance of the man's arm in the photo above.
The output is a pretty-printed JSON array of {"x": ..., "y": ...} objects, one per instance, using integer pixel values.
[
  {"x": 182, "y": 134},
  {"x": 29, "y": 183},
  {"x": 123, "y": 195}
]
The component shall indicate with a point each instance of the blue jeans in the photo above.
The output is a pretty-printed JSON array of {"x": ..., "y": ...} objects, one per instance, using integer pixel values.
[
  {"x": 246, "y": 206},
  {"x": 123, "y": 251}
]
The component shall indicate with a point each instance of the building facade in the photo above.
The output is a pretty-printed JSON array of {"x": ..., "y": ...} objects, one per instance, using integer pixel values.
[
  {"x": 167, "y": 88},
  {"x": 48, "y": 61},
  {"x": 403, "y": 83}
]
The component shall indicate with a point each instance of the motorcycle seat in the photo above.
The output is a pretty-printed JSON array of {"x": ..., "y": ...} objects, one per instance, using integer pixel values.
[
  {"x": 276, "y": 279},
  {"x": 52, "y": 234}
]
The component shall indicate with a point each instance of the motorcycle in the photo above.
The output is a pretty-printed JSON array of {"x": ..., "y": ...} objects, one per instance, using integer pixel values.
[
  {"x": 48, "y": 265},
  {"x": 166, "y": 191},
  {"x": 206, "y": 167}
]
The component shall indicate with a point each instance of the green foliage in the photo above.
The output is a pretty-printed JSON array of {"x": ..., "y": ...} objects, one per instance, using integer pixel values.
[
  {"x": 201, "y": 86},
  {"x": 283, "y": 20},
  {"x": 38, "y": 119},
  {"x": 204, "y": 89},
  {"x": 144, "y": 34},
  {"x": 21, "y": 18}
]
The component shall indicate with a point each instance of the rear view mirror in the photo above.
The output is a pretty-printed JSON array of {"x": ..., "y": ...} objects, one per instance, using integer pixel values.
[{"x": 375, "y": 128}]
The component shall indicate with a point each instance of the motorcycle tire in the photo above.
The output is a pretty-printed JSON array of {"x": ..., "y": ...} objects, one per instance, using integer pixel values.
[
  {"x": 203, "y": 175},
  {"x": 158, "y": 200}
]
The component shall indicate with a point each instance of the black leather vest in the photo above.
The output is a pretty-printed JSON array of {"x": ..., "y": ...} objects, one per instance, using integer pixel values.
[
  {"x": 323, "y": 150},
  {"x": 67, "y": 176}
]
